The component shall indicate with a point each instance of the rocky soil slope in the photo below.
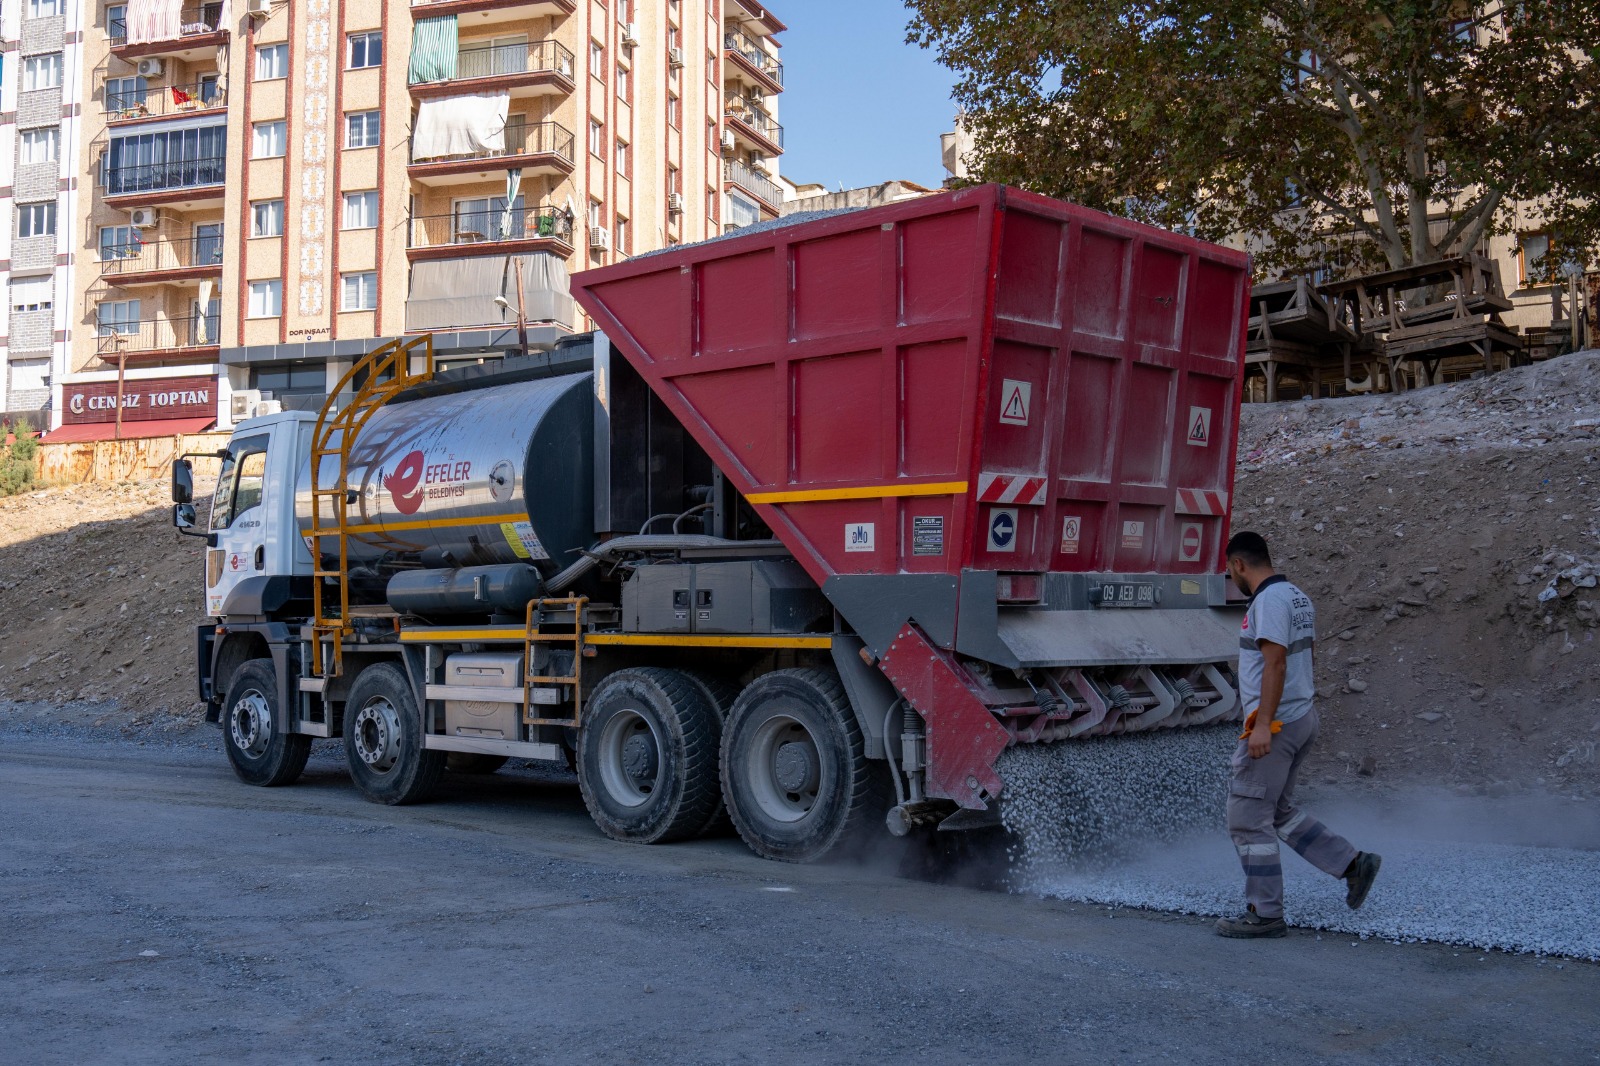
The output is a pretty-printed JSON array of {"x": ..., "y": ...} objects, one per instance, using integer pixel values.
[{"x": 1450, "y": 537}]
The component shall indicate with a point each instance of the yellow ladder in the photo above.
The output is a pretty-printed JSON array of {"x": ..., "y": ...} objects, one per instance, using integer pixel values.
[
  {"x": 536, "y": 635},
  {"x": 384, "y": 372}
]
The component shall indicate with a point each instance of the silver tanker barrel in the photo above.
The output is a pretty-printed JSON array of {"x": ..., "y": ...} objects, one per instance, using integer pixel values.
[{"x": 493, "y": 477}]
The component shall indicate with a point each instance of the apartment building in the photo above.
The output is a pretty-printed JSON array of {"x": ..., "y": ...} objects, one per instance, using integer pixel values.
[
  {"x": 39, "y": 123},
  {"x": 282, "y": 185}
]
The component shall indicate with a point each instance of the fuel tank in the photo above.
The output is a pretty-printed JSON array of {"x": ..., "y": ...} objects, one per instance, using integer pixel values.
[{"x": 475, "y": 478}]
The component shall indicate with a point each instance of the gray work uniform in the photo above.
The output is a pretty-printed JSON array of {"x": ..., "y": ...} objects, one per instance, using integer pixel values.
[{"x": 1261, "y": 808}]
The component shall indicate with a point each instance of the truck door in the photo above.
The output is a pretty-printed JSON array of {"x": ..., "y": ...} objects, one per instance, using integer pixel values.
[{"x": 238, "y": 514}]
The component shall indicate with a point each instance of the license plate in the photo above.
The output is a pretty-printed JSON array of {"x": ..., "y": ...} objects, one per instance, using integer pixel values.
[{"x": 1127, "y": 594}]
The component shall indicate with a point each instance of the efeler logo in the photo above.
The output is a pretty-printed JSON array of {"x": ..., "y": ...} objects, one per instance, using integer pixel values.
[{"x": 405, "y": 484}]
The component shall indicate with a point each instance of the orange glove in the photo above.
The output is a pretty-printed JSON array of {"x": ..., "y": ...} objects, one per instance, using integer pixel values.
[{"x": 1250, "y": 723}]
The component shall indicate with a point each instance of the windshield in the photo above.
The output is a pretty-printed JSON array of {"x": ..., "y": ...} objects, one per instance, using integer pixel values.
[{"x": 241, "y": 482}]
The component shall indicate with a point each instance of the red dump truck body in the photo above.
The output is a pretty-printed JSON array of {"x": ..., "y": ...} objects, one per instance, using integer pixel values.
[{"x": 977, "y": 380}]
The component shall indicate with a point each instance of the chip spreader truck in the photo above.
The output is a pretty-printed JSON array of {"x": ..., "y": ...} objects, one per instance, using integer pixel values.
[{"x": 819, "y": 520}]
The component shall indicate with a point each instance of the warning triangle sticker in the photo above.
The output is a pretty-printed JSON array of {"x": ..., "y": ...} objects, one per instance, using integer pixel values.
[
  {"x": 1199, "y": 430},
  {"x": 1199, "y": 425},
  {"x": 1014, "y": 403}
]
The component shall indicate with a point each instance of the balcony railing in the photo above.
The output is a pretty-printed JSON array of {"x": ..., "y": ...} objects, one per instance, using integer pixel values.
[
  {"x": 527, "y": 57},
  {"x": 538, "y": 138},
  {"x": 196, "y": 20},
  {"x": 753, "y": 182},
  {"x": 754, "y": 54},
  {"x": 157, "y": 177},
  {"x": 193, "y": 253},
  {"x": 763, "y": 124},
  {"x": 164, "y": 100},
  {"x": 465, "y": 228},
  {"x": 157, "y": 335}
]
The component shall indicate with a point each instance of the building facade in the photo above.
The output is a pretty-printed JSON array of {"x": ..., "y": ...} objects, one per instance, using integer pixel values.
[
  {"x": 279, "y": 187},
  {"x": 40, "y": 126}
]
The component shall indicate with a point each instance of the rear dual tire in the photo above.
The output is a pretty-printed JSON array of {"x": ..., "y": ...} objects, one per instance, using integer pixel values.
[
  {"x": 647, "y": 756},
  {"x": 795, "y": 774}
]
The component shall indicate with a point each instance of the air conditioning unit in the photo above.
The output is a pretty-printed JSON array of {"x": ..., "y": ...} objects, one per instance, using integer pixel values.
[
  {"x": 674, "y": 58},
  {"x": 150, "y": 68},
  {"x": 675, "y": 203},
  {"x": 599, "y": 238},
  {"x": 630, "y": 34},
  {"x": 758, "y": 161},
  {"x": 259, "y": 8},
  {"x": 144, "y": 217},
  {"x": 756, "y": 95},
  {"x": 727, "y": 142},
  {"x": 269, "y": 407},
  {"x": 244, "y": 404}
]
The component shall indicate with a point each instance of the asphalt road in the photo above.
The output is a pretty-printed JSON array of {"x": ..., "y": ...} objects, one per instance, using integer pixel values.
[{"x": 157, "y": 911}]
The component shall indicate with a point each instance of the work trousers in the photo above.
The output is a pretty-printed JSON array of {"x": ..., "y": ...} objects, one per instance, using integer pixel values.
[{"x": 1261, "y": 812}]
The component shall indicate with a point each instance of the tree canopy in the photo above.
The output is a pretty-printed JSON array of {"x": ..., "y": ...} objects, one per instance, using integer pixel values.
[{"x": 1392, "y": 131}]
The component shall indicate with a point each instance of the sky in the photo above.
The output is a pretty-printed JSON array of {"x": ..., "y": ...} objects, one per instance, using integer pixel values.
[{"x": 860, "y": 106}]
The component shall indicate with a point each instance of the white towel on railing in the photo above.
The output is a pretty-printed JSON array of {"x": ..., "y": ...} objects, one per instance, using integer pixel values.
[
  {"x": 154, "y": 20},
  {"x": 461, "y": 125}
]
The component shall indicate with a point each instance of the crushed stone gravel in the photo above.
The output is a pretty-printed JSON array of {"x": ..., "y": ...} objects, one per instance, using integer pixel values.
[{"x": 1138, "y": 822}]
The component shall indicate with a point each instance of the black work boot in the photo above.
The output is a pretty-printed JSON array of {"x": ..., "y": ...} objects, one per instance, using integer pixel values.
[
  {"x": 1359, "y": 877},
  {"x": 1250, "y": 925}
]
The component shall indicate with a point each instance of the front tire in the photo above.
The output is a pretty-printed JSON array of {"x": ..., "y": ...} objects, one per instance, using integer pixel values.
[
  {"x": 261, "y": 754},
  {"x": 795, "y": 774},
  {"x": 383, "y": 740},
  {"x": 647, "y": 756}
]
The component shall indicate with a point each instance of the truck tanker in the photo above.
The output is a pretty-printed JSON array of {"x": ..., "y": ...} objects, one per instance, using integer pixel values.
[{"x": 818, "y": 521}]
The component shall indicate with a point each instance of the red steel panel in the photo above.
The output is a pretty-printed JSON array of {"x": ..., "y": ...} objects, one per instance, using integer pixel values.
[{"x": 981, "y": 379}]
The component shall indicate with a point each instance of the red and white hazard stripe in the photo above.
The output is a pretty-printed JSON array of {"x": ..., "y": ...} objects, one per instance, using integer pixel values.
[
  {"x": 1202, "y": 501},
  {"x": 1011, "y": 488}
]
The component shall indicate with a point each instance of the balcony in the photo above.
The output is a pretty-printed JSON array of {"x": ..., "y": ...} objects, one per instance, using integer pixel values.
[
  {"x": 754, "y": 125},
  {"x": 165, "y": 101},
  {"x": 160, "y": 340},
  {"x": 538, "y": 148},
  {"x": 755, "y": 183},
  {"x": 200, "y": 31},
  {"x": 173, "y": 183},
  {"x": 525, "y": 69},
  {"x": 533, "y": 229},
  {"x": 758, "y": 65},
  {"x": 158, "y": 262},
  {"x": 471, "y": 14}
]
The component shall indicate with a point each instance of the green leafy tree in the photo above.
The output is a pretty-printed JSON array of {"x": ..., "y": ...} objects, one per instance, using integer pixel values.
[
  {"x": 19, "y": 460},
  {"x": 1302, "y": 123}
]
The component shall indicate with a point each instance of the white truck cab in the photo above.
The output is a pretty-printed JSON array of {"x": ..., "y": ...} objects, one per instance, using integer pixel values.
[{"x": 253, "y": 544}]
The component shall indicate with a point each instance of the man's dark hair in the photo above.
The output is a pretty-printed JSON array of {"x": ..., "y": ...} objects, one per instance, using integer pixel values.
[{"x": 1251, "y": 547}]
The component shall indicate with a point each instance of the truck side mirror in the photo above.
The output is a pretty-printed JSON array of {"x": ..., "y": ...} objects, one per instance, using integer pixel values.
[
  {"x": 183, "y": 486},
  {"x": 183, "y": 516}
]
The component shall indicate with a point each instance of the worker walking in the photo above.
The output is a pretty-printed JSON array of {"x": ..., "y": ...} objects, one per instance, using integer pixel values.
[{"x": 1276, "y": 687}]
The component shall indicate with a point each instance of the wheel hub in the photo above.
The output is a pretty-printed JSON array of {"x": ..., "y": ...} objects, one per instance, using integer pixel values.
[
  {"x": 784, "y": 768},
  {"x": 377, "y": 735},
  {"x": 796, "y": 767},
  {"x": 630, "y": 758},
  {"x": 250, "y": 722}
]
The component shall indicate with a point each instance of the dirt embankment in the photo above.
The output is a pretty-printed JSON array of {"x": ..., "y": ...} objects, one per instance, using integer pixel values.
[{"x": 1450, "y": 537}]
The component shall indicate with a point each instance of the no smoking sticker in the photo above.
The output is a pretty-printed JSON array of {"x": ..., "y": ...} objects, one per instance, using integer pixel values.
[
  {"x": 1189, "y": 541},
  {"x": 1071, "y": 534},
  {"x": 1199, "y": 426},
  {"x": 1015, "y": 397},
  {"x": 1133, "y": 535}
]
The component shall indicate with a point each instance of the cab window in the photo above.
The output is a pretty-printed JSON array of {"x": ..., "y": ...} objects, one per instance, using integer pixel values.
[{"x": 241, "y": 483}]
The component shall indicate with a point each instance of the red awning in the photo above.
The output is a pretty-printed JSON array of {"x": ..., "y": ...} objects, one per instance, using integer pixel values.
[{"x": 131, "y": 430}]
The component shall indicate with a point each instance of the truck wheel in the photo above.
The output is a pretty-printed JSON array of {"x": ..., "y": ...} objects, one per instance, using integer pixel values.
[
  {"x": 795, "y": 774},
  {"x": 383, "y": 739},
  {"x": 471, "y": 762},
  {"x": 259, "y": 752},
  {"x": 647, "y": 756},
  {"x": 721, "y": 695}
]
